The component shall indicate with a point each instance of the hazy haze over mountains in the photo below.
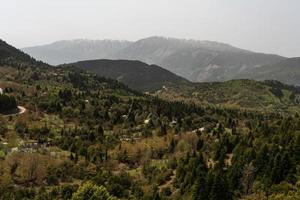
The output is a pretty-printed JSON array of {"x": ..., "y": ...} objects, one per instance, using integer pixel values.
[
  {"x": 269, "y": 26},
  {"x": 286, "y": 71},
  {"x": 67, "y": 51},
  {"x": 195, "y": 60}
]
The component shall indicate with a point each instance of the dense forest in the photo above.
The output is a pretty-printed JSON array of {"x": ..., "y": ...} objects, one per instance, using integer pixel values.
[{"x": 88, "y": 137}]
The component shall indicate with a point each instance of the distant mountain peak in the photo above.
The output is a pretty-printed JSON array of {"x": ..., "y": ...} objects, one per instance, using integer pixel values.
[
  {"x": 191, "y": 59},
  {"x": 191, "y": 43}
]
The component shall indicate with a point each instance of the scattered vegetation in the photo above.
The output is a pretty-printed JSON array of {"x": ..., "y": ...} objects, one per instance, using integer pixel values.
[{"x": 86, "y": 137}]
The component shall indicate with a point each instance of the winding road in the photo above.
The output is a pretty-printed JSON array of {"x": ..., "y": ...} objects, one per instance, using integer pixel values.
[{"x": 21, "y": 110}]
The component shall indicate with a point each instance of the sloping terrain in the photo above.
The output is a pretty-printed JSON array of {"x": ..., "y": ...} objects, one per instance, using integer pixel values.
[
  {"x": 194, "y": 60},
  {"x": 286, "y": 71},
  {"x": 258, "y": 95},
  {"x": 7, "y": 51},
  {"x": 67, "y": 51},
  {"x": 85, "y": 136},
  {"x": 198, "y": 61},
  {"x": 135, "y": 74}
]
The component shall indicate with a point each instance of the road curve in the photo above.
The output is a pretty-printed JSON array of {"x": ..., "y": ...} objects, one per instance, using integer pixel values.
[{"x": 22, "y": 110}]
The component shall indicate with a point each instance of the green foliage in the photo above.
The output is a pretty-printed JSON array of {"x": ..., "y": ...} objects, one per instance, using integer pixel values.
[
  {"x": 7, "y": 103},
  {"x": 136, "y": 146},
  {"x": 92, "y": 192}
]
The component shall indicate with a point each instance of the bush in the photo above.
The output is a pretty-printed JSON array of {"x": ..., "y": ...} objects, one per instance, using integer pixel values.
[
  {"x": 166, "y": 191},
  {"x": 92, "y": 192}
]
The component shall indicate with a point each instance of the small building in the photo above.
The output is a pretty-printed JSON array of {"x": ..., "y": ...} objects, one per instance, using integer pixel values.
[
  {"x": 14, "y": 149},
  {"x": 146, "y": 121}
]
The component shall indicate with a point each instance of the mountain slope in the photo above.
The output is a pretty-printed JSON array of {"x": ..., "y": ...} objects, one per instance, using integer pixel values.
[
  {"x": 287, "y": 71},
  {"x": 250, "y": 94},
  {"x": 197, "y": 61},
  {"x": 76, "y": 50},
  {"x": 83, "y": 135},
  {"x": 135, "y": 74},
  {"x": 14, "y": 57},
  {"x": 7, "y": 51}
]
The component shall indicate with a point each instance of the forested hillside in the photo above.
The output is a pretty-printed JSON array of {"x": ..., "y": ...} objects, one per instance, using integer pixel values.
[
  {"x": 265, "y": 96},
  {"x": 137, "y": 75},
  {"x": 88, "y": 137}
]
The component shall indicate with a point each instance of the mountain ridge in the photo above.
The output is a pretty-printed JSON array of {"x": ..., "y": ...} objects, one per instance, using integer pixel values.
[
  {"x": 287, "y": 71},
  {"x": 195, "y": 60},
  {"x": 135, "y": 74},
  {"x": 66, "y": 51}
]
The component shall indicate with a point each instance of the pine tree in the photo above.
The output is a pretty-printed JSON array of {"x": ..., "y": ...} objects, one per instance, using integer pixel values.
[
  {"x": 261, "y": 160},
  {"x": 199, "y": 189},
  {"x": 199, "y": 144},
  {"x": 219, "y": 188},
  {"x": 172, "y": 146}
]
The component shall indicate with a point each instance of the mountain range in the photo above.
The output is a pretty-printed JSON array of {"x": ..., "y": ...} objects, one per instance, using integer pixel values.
[
  {"x": 271, "y": 95},
  {"x": 197, "y": 61},
  {"x": 68, "y": 51}
]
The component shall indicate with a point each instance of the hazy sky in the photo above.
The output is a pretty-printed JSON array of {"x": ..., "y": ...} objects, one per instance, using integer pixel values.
[{"x": 271, "y": 26}]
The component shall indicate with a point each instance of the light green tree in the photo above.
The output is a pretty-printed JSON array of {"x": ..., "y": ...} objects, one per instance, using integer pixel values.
[{"x": 90, "y": 191}]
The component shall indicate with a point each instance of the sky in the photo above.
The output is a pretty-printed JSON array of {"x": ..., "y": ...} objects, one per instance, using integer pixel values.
[{"x": 269, "y": 26}]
